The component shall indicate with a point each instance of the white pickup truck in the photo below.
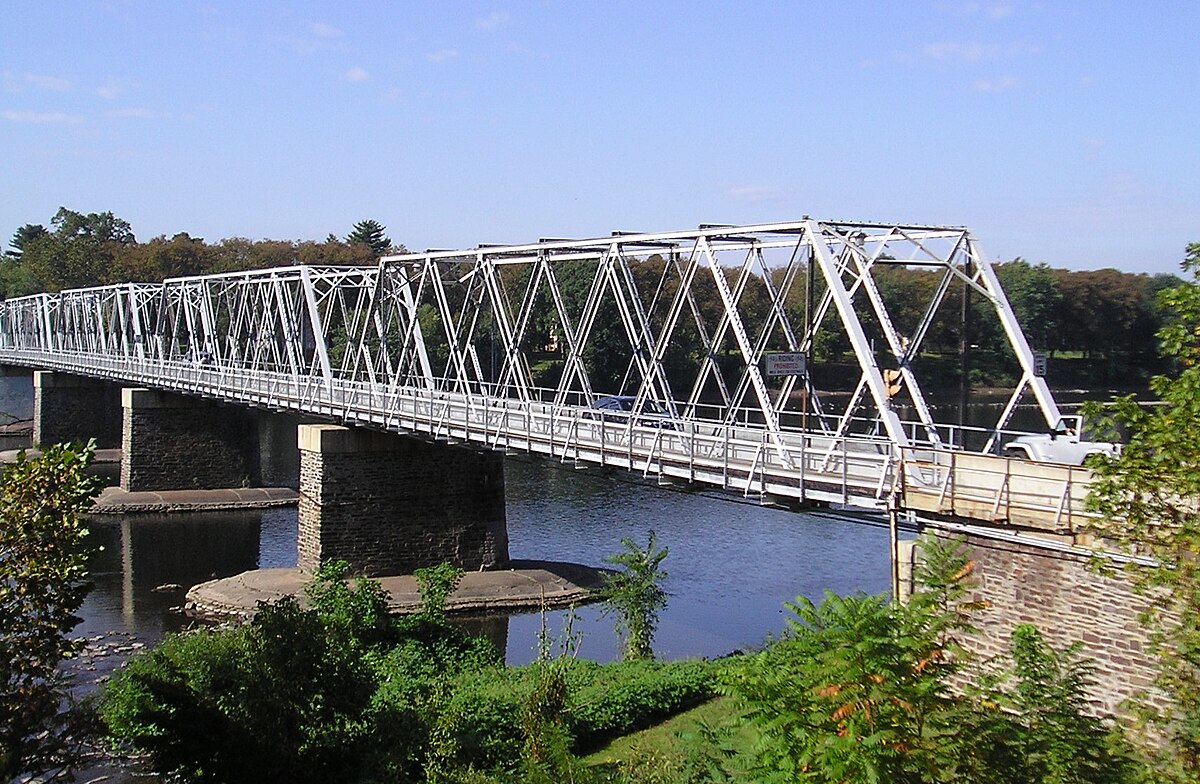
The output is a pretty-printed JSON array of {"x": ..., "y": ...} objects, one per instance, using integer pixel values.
[{"x": 1062, "y": 444}]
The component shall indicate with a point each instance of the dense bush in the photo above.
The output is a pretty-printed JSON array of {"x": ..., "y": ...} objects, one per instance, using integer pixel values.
[
  {"x": 865, "y": 690},
  {"x": 613, "y": 700},
  {"x": 484, "y": 713},
  {"x": 339, "y": 692},
  {"x": 343, "y": 692}
]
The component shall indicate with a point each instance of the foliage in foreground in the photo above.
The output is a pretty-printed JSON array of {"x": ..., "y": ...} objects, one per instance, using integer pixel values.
[
  {"x": 635, "y": 595},
  {"x": 344, "y": 692},
  {"x": 861, "y": 690},
  {"x": 42, "y": 585},
  {"x": 1146, "y": 497}
]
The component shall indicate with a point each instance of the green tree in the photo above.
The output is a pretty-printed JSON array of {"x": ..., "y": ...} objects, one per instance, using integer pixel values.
[
  {"x": 1038, "y": 728},
  {"x": 635, "y": 595},
  {"x": 42, "y": 585},
  {"x": 78, "y": 252},
  {"x": 1035, "y": 299},
  {"x": 370, "y": 233},
  {"x": 22, "y": 237},
  {"x": 1146, "y": 500},
  {"x": 859, "y": 688}
]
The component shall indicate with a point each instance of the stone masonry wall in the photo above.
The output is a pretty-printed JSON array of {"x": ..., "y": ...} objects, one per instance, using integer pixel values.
[
  {"x": 1068, "y": 602},
  {"x": 75, "y": 408},
  {"x": 173, "y": 442},
  {"x": 388, "y": 504}
]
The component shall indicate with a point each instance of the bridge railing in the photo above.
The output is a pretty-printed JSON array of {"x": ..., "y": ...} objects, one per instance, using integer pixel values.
[
  {"x": 1004, "y": 491},
  {"x": 742, "y": 457}
]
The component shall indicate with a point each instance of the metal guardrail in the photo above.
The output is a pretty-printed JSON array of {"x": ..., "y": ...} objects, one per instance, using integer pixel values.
[{"x": 852, "y": 471}]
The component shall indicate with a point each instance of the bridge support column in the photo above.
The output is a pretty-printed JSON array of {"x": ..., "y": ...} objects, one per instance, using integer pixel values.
[
  {"x": 75, "y": 408},
  {"x": 1057, "y": 591},
  {"x": 389, "y": 504},
  {"x": 175, "y": 442}
]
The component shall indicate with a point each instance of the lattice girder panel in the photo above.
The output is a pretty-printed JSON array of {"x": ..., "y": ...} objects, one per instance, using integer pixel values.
[{"x": 681, "y": 322}]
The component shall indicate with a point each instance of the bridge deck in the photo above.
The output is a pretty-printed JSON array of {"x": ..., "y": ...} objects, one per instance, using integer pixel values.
[
  {"x": 852, "y": 471},
  {"x": 855, "y": 472}
]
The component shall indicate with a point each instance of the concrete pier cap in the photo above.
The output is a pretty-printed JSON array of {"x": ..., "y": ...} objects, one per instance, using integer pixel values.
[{"x": 337, "y": 439}]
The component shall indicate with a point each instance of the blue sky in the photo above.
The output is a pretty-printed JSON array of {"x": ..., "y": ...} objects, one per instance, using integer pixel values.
[{"x": 1062, "y": 132}]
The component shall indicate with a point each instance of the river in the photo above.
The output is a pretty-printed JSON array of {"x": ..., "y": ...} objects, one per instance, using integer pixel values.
[{"x": 732, "y": 563}]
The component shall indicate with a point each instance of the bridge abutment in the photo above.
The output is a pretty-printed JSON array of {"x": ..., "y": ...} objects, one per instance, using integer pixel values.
[
  {"x": 175, "y": 442},
  {"x": 75, "y": 408},
  {"x": 388, "y": 504},
  {"x": 1055, "y": 590}
]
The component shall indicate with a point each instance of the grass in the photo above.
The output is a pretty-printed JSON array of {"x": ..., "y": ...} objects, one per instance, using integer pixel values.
[{"x": 663, "y": 742}]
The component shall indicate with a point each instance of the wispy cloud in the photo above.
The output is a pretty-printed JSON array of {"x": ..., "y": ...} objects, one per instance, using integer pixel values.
[
  {"x": 756, "y": 194},
  {"x": 515, "y": 48},
  {"x": 139, "y": 112},
  {"x": 997, "y": 85},
  {"x": 356, "y": 74},
  {"x": 492, "y": 21},
  {"x": 441, "y": 55},
  {"x": 45, "y": 82},
  {"x": 112, "y": 89},
  {"x": 993, "y": 10},
  {"x": 14, "y": 82},
  {"x": 42, "y": 118},
  {"x": 317, "y": 37},
  {"x": 975, "y": 51},
  {"x": 324, "y": 30}
]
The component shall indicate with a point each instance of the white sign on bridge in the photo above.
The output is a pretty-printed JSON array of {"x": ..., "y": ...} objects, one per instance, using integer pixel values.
[{"x": 785, "y": 363}]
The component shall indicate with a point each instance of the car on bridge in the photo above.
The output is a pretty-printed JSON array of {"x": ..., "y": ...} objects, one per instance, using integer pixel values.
[
  {"x": 620, "y": 407},
  {"x": 1063, "y": 444}
]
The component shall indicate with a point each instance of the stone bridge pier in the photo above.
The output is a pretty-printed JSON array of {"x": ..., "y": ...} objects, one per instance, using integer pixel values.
[
  {"x": 75, "y": 408},
  {"x": 388, "y": 504},
  {"x": 1053, "y": 586},
  {"x": 177, "y": 442}
]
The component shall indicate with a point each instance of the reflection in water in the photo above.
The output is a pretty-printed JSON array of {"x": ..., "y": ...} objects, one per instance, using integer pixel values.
[
  {"x": 731, "y": 564},
  {"x": 135, "y": 554}
]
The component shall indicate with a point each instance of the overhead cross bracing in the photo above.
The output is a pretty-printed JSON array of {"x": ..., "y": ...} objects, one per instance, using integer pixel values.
[{"x": 510, "y": 346}]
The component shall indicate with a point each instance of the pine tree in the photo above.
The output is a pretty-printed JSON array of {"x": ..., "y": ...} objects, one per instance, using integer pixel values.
[{"x": 370, "y": 232}]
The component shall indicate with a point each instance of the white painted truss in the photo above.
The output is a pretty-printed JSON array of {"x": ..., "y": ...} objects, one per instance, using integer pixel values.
[{"x": 509, "y": 347}]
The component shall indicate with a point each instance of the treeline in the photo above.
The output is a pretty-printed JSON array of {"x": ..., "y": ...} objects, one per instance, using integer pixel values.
[
  {"x": 79, "y": 250},
  {"x": 1098, "y": 326}
]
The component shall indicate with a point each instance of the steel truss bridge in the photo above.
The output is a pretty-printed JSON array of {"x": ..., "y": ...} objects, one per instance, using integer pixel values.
[{"x": 507, "y": 347}]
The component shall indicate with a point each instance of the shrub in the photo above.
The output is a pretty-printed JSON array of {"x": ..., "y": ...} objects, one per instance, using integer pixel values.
[
  {"x": 277, "y": 699},
  {"x": 341, "y": 692},
  {"x": 485, "y": 713},
  {"x": 620, "y": 698},
  {"x": 42, "y": 585},
  {"x": 635, "y": 595}
]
